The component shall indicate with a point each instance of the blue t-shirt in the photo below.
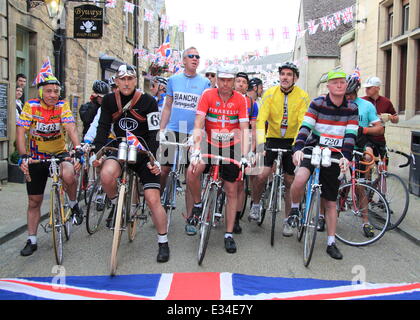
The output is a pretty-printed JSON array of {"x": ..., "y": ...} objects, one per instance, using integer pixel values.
[
  {"x": 367, "y": 113},
  {"x": 186, "y": 93},
  {"x": 160, "y": 101}
]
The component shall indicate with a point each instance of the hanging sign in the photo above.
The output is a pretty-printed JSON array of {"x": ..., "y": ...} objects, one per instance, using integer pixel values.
[{"x": 88, "y": 22}]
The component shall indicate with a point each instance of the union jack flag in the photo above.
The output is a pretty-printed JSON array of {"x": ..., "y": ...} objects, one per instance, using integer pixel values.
[
  {"x": 132, "y": 140},
  {"x": 356, "y": 74},
  {"x": 165, "y": 49},
  {"x": 44, "y": 72},
  {"x": 199, "y": 286}
]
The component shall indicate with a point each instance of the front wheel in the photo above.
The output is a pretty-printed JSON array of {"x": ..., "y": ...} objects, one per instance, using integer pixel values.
[
  {"x": 311, "y": 224},
  {"x": 357, "y": 205},
  {"x": 119, "y": 221},
  {"x": 57, "y": 225},
  {"x": 206, "y": 223},
  {"x": 97, "y": 205}
]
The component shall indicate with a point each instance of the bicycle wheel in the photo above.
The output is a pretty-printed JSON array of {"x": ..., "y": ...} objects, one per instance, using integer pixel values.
[
  {"x": 247, "y": 194},
  {"x": 119, "y": 222},
  {"x": 274, "y": 206},
  {"x": 301, "y": 220},
  {"x": 89, "y": 181},
  {"x": 133, "y": 202},
  {"x": 396, "y": 194},
  {"x": 311, "y": 224},
  {"x": 56, "y": 225},
  {"x": 169, "y": 197},
  {"x": 206, "y": 223},
  {"x": 265, "y": 198},
  {"x": 97, "y": 205},
  {"x": 67, "y": 214},
  {"x": 352, "y": 205},
  {"x": 81, "y": 182}
]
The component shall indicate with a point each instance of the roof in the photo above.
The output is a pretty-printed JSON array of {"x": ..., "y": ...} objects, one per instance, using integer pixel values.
[{"x": 324, "y": 43}]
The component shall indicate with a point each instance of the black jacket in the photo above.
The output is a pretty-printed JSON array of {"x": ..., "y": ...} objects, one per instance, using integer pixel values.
[{"x": 87, "y": 113}]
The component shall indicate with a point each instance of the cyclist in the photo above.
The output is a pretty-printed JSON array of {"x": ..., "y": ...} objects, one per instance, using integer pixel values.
[
  {"x": 89, "y": 110},
  {"x": 142, "y": 119},
  {"x": 222, "y": 112},
  {"x": 242, "y": 86},
  {"x": 158, "y": 90},
  {"x": 283, "y": 107},
  {"x": 385, "y": 110},
  {"x": 211, "y": 75},
  {"x": 330, "y": 121},
  {"x": 369, "y": 125},
  {"x": 183, "y": 93},
  {"x": 43, "y": 119},
  {"x": 112, "y": 85}
]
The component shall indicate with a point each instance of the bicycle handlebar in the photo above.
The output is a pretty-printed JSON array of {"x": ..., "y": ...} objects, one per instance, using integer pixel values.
[
  {"x": 409, "y": 158},
  {"x": 233, "y": 161},
  {"x": 278, "y": 150},
  {"x": 184, "y": 145}
]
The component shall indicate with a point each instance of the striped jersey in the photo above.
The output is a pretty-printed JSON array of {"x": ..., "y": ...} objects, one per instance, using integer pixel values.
[
  {"x": 329, "y": 125},
  {"x": 45, "y": 126},
  {"x": 223, "y": 120}
]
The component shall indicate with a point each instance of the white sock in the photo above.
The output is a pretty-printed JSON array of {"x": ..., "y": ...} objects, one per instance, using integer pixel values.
[
  {"x": 162, "y": 238},
  {"x": 228, "y": 235},
  {"x": 198, "y": 205},
  {"x": 256, "y": 205},
  {"x": 295, "y": 205},
  {"x": 33, "y": 239},
  {"x": 331, "y": 240},
  {"x": 114, "y": 201},
  {"x": 72, "y": 203}
]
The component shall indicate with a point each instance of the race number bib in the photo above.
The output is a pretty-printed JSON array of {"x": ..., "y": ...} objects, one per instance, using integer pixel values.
[
  {"x": 222, "y": 136},
  {"x": 153, "y": 121},
  {"x": 331, "y": 141}
]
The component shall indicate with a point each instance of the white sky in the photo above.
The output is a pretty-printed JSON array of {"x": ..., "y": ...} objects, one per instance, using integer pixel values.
[{"x": 238, "y": 15}]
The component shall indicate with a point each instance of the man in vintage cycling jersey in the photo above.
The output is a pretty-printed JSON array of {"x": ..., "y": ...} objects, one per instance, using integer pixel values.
[
  {"x": 43, "y": 120},
  {"x": 177, "y": 123},
  {"x": 331, "y": 121},
  {"x": 223, "y": 113},
  {"x": 128, "y": 109},
  {"x": 283, "y": 107}
]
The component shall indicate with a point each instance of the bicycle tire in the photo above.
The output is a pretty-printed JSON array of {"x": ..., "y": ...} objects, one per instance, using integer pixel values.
[
  {"x": 168, "y": 198},
  {"x": 97, "y": 205},
  {"x": 91, "y": 179},
  {"x": 301, "y": 221},
  {"x": 247, "y": 194},
  {"x": 311, "y": 224},
  {"x": 57, "y": 225},
  {"x": 131, "y": 216},
  {"x": 349, "y": 211},
  {"x": 265, "y": 198},
  {"x": 273, "y": 207},
  {"x": 397, "y": 196},
  {"x": 206, "y": 223},
  {"x": 116, "y": 239},
  {"x": 67, "y": 215}
]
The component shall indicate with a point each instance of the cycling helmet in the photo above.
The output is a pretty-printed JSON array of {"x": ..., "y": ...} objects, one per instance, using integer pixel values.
[
  {"x": 254, "y": 82},
  {"x": 161, "y": 80},
  {"x": 291, "y": 66},
  {"x": 100, "y": 87},
  {"x": 49, "y": 80},
  {"x": 242, "y": 75},
  {"x": 353, "y": 84}
]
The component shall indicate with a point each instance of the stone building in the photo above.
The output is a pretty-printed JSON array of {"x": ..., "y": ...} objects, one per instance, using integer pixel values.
[
  {"x": 28, "y": 35},
  {"x": 386, "y": 44}
]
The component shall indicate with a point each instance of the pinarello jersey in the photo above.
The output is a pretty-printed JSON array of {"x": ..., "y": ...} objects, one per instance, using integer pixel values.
[
  {"x": 223, "y": 120},
  {"x": 45, "y": 126}
]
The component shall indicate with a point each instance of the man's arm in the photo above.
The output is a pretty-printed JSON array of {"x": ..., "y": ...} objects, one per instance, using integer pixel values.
[
  {"x": 20, "y": 140},
  {"x": 166, "y": 113},
  {"x": 71, "y": 130},
  {"x": 198, "y": 130},
  {"x": 244, "y": 137},
  {"x": 377, "y": 129}
]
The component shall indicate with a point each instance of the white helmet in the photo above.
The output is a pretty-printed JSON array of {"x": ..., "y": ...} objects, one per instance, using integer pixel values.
[{"x": 226, "y": 72}]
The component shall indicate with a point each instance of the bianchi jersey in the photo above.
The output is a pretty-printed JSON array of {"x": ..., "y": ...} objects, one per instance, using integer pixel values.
[
  {"x": 186, "y": 93},
  {"x": 45, "y": 126}
]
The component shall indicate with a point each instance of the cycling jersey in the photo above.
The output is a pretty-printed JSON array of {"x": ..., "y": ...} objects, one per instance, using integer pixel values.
[
  {"x": 161, "y": 101},
  {"x": 186, "y": 92},
  {"x": 367, "y": 113},
  {"x": 272, "y": 110},
  {"x": 330, "y": 125},
  {"x": 45, "y": 123},
  {"x": 223, "y": 119}
]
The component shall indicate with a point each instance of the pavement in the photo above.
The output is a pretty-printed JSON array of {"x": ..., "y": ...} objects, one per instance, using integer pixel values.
[{"x": 14, "y": 202}]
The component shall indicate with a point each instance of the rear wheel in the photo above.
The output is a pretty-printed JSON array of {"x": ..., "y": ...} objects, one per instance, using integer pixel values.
[
  {"x": 275, "y": 205},
  {"x": 98, "y": 204}
]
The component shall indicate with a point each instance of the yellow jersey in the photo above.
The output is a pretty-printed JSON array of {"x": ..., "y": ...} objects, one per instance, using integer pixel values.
[{"x": 272, "y": 111}]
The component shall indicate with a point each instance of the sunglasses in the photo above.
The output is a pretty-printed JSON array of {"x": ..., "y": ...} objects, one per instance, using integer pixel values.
[
  {"x": 191, "y": 56},
  {"x": 210, "y": 75}
]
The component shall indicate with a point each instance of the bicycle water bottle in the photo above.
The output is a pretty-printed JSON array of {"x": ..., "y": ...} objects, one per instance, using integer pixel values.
[
  {"x": 122, "y": 151},
  {"x": 132, "y": 154},
  {"x": 326, "y": 157},
  {"x": 316, "y": 156}
]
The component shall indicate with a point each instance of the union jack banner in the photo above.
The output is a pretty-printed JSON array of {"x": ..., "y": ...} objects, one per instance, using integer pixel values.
[
  {"x": 312, "y": 27},
  {"x": 133, "y": 141},
  {"x": 44, "y": 72},
  {"x": 347, "y": 15},
  {"x": 148, "y": 15},
  {"x": 356, "y": 74},
  {"x": 199, "y": 286},
  {"x": 111, "y": 3},
  {"x": 129, "y": 7}
]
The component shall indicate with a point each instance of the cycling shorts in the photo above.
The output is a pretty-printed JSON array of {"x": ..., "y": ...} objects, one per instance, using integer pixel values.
[
  {"x": 287, "y": 158},
  {"x": 228, "y": 171}
]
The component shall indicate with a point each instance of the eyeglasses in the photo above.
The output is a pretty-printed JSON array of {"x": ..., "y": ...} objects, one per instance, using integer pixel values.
[
  {"x": 191, "y": 56},
  {"x": 210, "y": 75}
]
